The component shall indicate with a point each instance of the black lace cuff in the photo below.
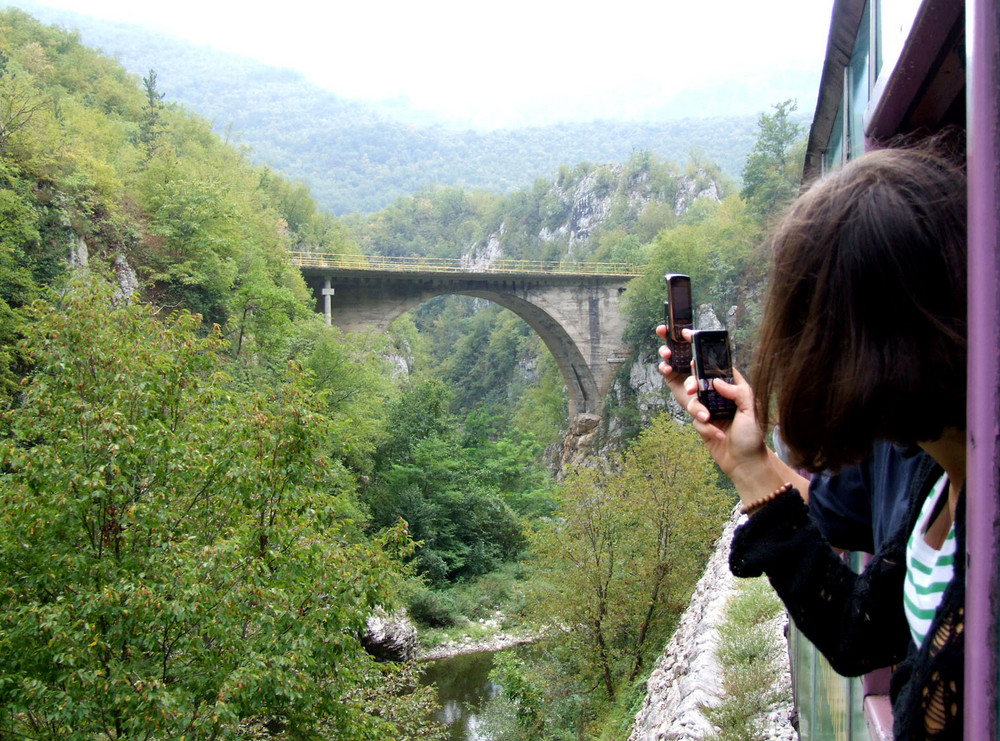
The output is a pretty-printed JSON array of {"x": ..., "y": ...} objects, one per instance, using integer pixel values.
[{"x": 772, "y": 534}]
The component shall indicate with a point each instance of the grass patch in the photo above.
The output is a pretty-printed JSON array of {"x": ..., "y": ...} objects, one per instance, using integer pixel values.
[
  {"x": 464, "y": 631},
  {"x": 474, "y": 609},
  {"x": 750, "y": 655}
]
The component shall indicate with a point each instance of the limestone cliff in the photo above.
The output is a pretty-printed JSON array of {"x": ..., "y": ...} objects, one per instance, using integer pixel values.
[{"x": 581, "y": 202}]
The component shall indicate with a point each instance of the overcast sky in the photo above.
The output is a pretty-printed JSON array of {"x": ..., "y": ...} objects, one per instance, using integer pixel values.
[{"x": 484, "y": 61}]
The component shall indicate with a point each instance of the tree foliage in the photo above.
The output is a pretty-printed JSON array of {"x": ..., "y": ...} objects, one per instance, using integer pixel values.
[
  {"x": 20, "y": 101},
  {"x": 175, "y": 556},
  {"x": 457, "y": 489},
  {"x": 151, "y": 126},
  {"x": 619, "y": 560},
  {"x": 773, "y": 168}
]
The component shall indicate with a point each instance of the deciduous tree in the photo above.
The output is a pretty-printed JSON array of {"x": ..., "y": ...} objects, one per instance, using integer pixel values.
[
  {"x": 174, "y": 560},
  {"x": 20, "y": 100},
  {"x": 772, "y": 173},
  {"x": 625, "y": 548}
]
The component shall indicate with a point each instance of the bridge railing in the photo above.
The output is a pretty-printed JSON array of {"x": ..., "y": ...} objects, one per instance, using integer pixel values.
[{"x": 455, "y": 265}]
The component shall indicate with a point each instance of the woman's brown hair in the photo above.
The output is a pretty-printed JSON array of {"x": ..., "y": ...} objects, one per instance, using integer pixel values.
[{"x": 864, "y": 328}]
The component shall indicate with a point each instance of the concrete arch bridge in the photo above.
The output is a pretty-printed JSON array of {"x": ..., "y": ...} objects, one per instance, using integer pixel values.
[{"x": 574, "y": 308}]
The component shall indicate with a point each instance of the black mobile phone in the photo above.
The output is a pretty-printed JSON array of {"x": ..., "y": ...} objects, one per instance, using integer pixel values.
[
  {"x": 712, "y": 360},
  {"x": 678, "y": 314}
]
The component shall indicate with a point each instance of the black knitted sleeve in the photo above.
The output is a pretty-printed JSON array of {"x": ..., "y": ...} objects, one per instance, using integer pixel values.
[{"x": 856, "y": 621}]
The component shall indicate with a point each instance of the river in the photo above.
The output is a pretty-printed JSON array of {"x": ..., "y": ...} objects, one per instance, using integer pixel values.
[{"x": 463, "y": 687}]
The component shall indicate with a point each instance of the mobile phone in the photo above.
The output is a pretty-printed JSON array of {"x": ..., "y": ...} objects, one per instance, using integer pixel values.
[
  {"x": 678, "y": 315},
  {"x": 710, "y": 348}
]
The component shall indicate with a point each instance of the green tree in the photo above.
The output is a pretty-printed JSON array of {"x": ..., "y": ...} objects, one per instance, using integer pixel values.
[
  {"x": 542, "y": 409},
  {"x": 455, "y": 488},
  {"x": 772, "y": 173},
  {"x": 671, "y": 486},
  {"x": 175, "y": 560},
  {"x": 261, "y": 311},
  {"x": 20, "y": 101},
  {"x": 352, "y": 374},
  {"x": 151, "y": 127},
  {"x": 625, "y": 549},
  {"x": 200, "y": 229},
  {"x": 18, "y": 234},
  {"x": 462, "y": 525}
]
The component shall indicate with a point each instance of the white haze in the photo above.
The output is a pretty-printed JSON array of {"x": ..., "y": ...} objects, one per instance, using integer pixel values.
[{"x": 516, "y": 62}]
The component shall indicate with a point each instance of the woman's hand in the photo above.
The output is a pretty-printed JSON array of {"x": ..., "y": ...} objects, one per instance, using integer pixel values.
[
  {"x": 675, "y": 381},
  {"x": 736, "y": 444},
  {"x": 731, "y": 442}
]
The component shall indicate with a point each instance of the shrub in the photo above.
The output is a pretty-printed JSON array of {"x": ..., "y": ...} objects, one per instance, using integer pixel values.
[
  {"x": 434, "y": 609},
  {"x": 170, "y": 562}
]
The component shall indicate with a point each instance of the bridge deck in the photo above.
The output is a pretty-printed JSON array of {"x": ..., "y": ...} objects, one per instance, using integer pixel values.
[{"x": 316, "y": 260}]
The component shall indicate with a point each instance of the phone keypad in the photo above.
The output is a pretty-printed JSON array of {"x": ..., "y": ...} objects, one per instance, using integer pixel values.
[
  {"x": 718, "y": 405},
  {"x": 680, "y": 357}
]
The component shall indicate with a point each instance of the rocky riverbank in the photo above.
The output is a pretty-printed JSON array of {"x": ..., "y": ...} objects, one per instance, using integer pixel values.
[{"x": 393, "y": 637}]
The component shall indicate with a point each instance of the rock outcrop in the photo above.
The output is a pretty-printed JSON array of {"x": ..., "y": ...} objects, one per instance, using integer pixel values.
[
  {"x": 127, "y": 281},
  {"x": 589, "y": 204},
  {"x": 390, "y": 637},
  {"x": 466, "y": 645},
  {"x": 578, "y": 205},
  {"x": 579, "y": 441}
]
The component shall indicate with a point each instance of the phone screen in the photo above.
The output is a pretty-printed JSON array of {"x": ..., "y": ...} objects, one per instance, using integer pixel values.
[
  {"x": 715, "y": 358},
  {"x": 711, "y": 361},
  {"x": 678, "y": 315},
  {"x": 680, "y": 301}
]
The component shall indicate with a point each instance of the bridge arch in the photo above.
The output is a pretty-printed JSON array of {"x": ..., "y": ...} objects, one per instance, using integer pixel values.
[
  {"x": 585, "y": 392},
  {"x": 578, "y": 317}
]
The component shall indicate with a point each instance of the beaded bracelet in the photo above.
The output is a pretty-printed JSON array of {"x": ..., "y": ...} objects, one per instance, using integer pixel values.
[{"x": 749, "y": 509}]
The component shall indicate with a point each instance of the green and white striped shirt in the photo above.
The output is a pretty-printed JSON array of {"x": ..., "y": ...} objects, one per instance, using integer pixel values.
[{"x": 928, "y": 571}]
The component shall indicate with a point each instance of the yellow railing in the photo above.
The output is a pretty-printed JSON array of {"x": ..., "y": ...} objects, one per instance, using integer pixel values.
[{"x": 450, "y": 265}]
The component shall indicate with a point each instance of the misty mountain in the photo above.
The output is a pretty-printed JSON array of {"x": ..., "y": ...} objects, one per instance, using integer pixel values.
[{"x": 360, "y": 157}]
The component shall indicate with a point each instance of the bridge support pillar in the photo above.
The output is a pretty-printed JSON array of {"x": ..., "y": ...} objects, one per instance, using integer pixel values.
[{"x": 328, "y": 291}]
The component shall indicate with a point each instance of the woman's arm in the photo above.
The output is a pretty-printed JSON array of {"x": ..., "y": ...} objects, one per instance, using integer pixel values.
[{"x": 855, "y": 620}]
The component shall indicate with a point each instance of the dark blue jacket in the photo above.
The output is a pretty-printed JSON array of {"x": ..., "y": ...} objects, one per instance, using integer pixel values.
[{"x": 858, "y": 508}]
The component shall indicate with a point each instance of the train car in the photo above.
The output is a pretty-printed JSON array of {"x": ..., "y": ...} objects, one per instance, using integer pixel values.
[{"x": 911, "y": 68}]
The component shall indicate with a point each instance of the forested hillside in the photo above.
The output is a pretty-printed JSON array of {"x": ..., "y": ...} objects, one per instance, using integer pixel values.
[
  {"x": 182, "y": 549},
  {"x": 206, "y": 491},
  {"x": 361, "y": 158}
]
